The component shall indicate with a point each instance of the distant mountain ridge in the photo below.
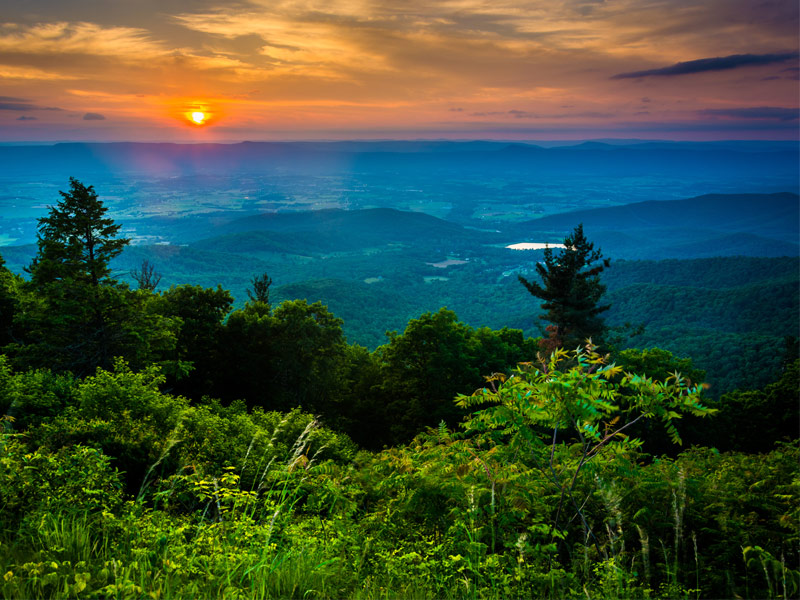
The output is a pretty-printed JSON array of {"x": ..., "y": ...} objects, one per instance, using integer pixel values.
[
  {"x": 169, "y": 159},
  {"x": 728, "y": 212},
  {"x": 709, "y": 225}
]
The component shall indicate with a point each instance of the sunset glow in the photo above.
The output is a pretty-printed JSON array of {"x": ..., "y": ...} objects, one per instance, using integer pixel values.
[{"x": 512, "y": 69}]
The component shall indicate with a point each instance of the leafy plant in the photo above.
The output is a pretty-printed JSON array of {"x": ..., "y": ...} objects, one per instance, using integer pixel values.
[{"x": 569, "y": 412}]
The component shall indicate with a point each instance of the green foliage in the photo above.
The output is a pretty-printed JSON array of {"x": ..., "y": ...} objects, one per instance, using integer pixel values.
[
  {"x": 259, "y": 291},
  {"x": 660, "y": 365},
  {"x": 200, "y": 313},
  {"x": 245, "y": 504},
  {"x": 31, "y": 396},
  {"x": 754, "y": 420},
  {"x": 76, "y": 241},
  {"x": 571, "y": 290},
  {"x": 435, "y": 358},
  {"x": 111, "y": 487},
  {"x": 570, "y": 412},
  {"x": 122, "y": 413},
  {"x": 71, "y": 315},
  {"x": 34, "y": 484},
  {"x": 8, "y": 302},
  {"x": 278, "y": 360}
]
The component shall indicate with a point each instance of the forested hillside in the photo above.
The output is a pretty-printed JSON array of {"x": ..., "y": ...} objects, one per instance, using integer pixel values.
[
  {"x": 379, "y": 268},
  {"x": 164, "y": 441}
]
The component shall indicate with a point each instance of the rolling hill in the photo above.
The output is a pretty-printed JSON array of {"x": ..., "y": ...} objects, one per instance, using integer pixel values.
[{"x": 705, "y": 226}]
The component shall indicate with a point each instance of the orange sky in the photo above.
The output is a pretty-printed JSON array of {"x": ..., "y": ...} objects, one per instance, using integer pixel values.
[{"x": 307, "y": 69}]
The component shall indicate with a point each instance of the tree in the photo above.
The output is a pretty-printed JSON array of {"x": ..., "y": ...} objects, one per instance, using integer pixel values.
[
  {"x": 291, "y": 357},
  {"x": 570, "y": 288},
  {"x": 73, "y": 315},
  {"x": 421, "y": 369},
  {"x": 146, "y": 276},
  {"x": 201, "y": 312},
  {"x": 76, "y": 240},
  {"x": 260, "y": 290}
]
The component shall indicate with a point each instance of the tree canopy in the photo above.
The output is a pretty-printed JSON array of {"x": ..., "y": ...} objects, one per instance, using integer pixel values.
[
  {"x": 76, "y": 240},
  {"x": 73, "y": 315}
]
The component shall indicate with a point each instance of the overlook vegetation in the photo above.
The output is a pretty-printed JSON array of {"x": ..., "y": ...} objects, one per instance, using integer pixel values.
[{"x": 174, "y": 443}]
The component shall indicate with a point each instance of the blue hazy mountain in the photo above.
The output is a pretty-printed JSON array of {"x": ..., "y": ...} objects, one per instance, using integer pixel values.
[
  {"x": 164, "y": 159},
  {"x": 705, "y": 226}
]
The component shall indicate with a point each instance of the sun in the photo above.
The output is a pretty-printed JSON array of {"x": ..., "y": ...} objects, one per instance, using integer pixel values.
[{"x": 194, "y": 113}]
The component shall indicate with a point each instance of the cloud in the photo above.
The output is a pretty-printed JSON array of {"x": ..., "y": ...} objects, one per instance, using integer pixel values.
[
  {"x": 524, "y": 114},
  {"x": 757, "y": 112},
  {"x": 92, "y": 116},
  {"x": 795, "y": 73},
  {"x": 362, "y": 64},
  {"x": 21, "y": 104},
  {"x": 720, "y": 63},
  {"x": 30, "y": 73},
  {"x": 79, "y": 38},
  {"x": 25, "y": 118}
]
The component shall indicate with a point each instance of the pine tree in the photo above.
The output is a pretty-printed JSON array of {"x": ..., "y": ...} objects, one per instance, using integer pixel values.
[
  {"x": 76, "y": 317},
  {"x": 259, "y": 292},
  {"x": 570, "y": 288},
  {"x": 76, "y": 240}
]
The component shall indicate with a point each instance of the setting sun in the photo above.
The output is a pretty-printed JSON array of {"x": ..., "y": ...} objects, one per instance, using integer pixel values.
[{"x": 196, "y": 113}]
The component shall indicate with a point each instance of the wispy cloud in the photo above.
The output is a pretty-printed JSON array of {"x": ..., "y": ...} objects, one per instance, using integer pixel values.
[
  {"x": 21, "y": 104},
  {"x": 721, "y": 63},
  {"x": 757, "y": 112},
  {"x": 93, "y": 116},
  {"x": 31, "y": 73},
  {"x": 525, "y": 114},
  {"x": 80, "y": 38}
]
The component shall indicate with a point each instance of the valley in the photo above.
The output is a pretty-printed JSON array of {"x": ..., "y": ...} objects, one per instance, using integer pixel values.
[{"x": 380, "y": 240}]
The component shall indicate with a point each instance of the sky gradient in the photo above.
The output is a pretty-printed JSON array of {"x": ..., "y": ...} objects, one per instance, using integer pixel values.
[{"x": 114, "y": 70}]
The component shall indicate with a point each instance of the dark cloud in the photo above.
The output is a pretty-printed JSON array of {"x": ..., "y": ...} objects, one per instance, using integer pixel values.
[
  {"x": 757, "y": 112},
  {"x": 24, "y": 118},
  {"x": 456, "y": 109},
  {"x": 93, "y": 117},
  {"x": 21, "y": 104},
  {"x": 720, "y": 63}
]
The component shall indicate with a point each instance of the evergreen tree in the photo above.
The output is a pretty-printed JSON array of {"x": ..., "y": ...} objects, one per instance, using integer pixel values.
[
  {"x": 76, "y": 240},
  {"x": 570, "y": 288},
  {"x": 259, "y": 292},
  {"x": 74, "y": 315}
]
